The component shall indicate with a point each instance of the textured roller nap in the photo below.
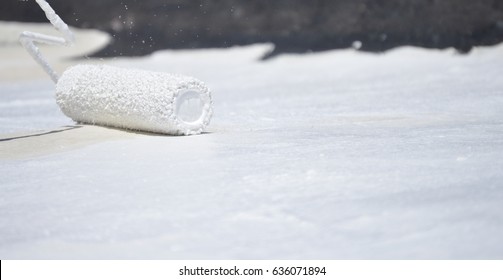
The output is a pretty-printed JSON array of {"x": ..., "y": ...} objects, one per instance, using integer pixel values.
[{"x": 134, "y": 99}]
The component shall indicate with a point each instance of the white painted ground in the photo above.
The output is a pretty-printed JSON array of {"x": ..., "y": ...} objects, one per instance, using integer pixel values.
[{"x": 330, "y": 155}]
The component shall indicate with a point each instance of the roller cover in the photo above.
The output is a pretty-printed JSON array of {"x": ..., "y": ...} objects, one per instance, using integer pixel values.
[{"x": 134, "y": 99}]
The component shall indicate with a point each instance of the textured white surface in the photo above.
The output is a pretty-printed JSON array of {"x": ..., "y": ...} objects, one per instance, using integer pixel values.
[
  {"x": 133, "y": 99},
  {"x": 329, "y": 155}
]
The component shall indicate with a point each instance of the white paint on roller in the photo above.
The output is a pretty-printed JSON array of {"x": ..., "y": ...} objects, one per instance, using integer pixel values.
[{"x": 134, "y": 99}]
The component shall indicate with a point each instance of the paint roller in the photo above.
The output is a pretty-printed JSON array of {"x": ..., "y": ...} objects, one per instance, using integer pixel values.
[{"x": 123, "y": 98}]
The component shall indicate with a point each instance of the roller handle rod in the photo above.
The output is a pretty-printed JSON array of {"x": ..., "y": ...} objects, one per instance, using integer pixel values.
[{"x": 28, "y": 39}]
